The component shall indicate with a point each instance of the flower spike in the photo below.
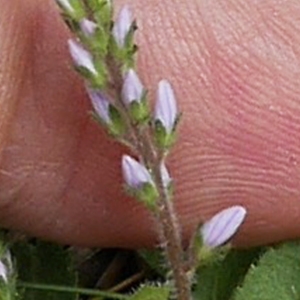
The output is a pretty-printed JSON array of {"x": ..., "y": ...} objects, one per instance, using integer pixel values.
[
  {"x": 132, "y": 88},
  {"x": 81, "y": 57},
  {"x": 135, "y": 174},
  {"x": 166, "y": 108},
  {"x": 221, "y": 227},
  {"x": 88, "y": 27},
  {"x": 100, "y": 104},
  {"x": 122, "y": 26}
]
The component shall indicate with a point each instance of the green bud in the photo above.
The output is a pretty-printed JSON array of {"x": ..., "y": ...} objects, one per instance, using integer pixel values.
[
  {"x": 164, "y": 140},
  {"x": 99, "y": 80},
  {"x": 72, "y": 9},
  {"x": 206, "y": 255},
  {"x": 147, "y": 195},
  {"x": 139, "y": 111},
  {"x": 99, "y": 43},
  {"x": 117, "y": 125},
  {"x": 103, "y": 12}
]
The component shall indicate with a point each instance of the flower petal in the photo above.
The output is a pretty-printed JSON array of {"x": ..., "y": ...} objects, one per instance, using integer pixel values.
[
  {"x": 100, "y": 104},
  {"x": 81, "y": 57},
  {"x": 135, "y": 174},
  {"x": 122, "y": 26},
  {"x": 221, "y": 227},
  {"x": 88, "y": 27},
  {"x": 132, "y": 87},
  {"x": 166, "y": 108}
]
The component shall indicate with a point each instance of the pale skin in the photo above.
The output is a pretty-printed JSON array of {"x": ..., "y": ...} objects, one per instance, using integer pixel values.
[{"x": 235, "y": 67}]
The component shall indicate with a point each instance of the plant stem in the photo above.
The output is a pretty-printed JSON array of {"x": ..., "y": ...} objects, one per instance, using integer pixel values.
[
  {"x": 171, "y": 239},
  {"x": 170, "y": 232}
]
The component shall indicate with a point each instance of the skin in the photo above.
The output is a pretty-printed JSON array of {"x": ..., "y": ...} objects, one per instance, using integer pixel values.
[{"x": 235, "y": 67}]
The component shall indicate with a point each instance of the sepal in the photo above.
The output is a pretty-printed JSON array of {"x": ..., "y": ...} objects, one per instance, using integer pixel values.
[
  {"x": 163, "y": 139},
  {"x": 147, "y": 195},
  {"x": 102, "y": 11},
  {"x": 72, "y": 9},
  {"x": 205, "y": 255},
  {"x": 139, "y": 110},
  {"x": 210, "y": 242},
  {"x": 116, "y": 126}
]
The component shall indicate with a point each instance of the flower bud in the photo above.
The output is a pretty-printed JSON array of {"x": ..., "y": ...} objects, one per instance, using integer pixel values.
[
  {"x": 122, "y": 26},
  {"x": 134, "y": 97},
  {"x": 132, "y": 88},
  {"x": 88, "y": 27},
  {"x": 100, "y": 104},
  {"x": 222, "y": 226},
  {"x": 166, "y": 108},
  {"x": 107, "y": 113},
  {"x": 81, "y": 57},
  {"x": 165, "y": 115},
  {"x": 139, "y": 182},
  {"x": 135, "y": 174}
]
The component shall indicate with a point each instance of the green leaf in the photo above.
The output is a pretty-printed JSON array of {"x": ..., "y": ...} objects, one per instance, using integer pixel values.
[
  {"x": 148, "y": 292},
  {"x": 218, "y": 280},
  {"x": 155, "y": 259},
  {"x": 44, "y": 263},
  {"x": 276, "y": 276}
]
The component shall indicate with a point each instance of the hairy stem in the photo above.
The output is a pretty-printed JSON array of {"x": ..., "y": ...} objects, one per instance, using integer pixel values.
[
  {"x": 171, "y": 239},
  {"x": 152, "y": 156}
]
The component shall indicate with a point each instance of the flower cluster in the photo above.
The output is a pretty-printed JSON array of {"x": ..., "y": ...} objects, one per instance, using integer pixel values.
[
  {"x": 111, "y": 65},
  {"x": 124, "y": 111},
  {"x": 103, "y": 54}
]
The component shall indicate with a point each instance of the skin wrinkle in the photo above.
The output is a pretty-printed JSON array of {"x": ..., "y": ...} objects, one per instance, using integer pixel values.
[
  {"x": 227, "y": 77},
  {"x": 10, "y": 84},
  {"x": 222, "y": 90},
  {"x": 28, "y": 203}
]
